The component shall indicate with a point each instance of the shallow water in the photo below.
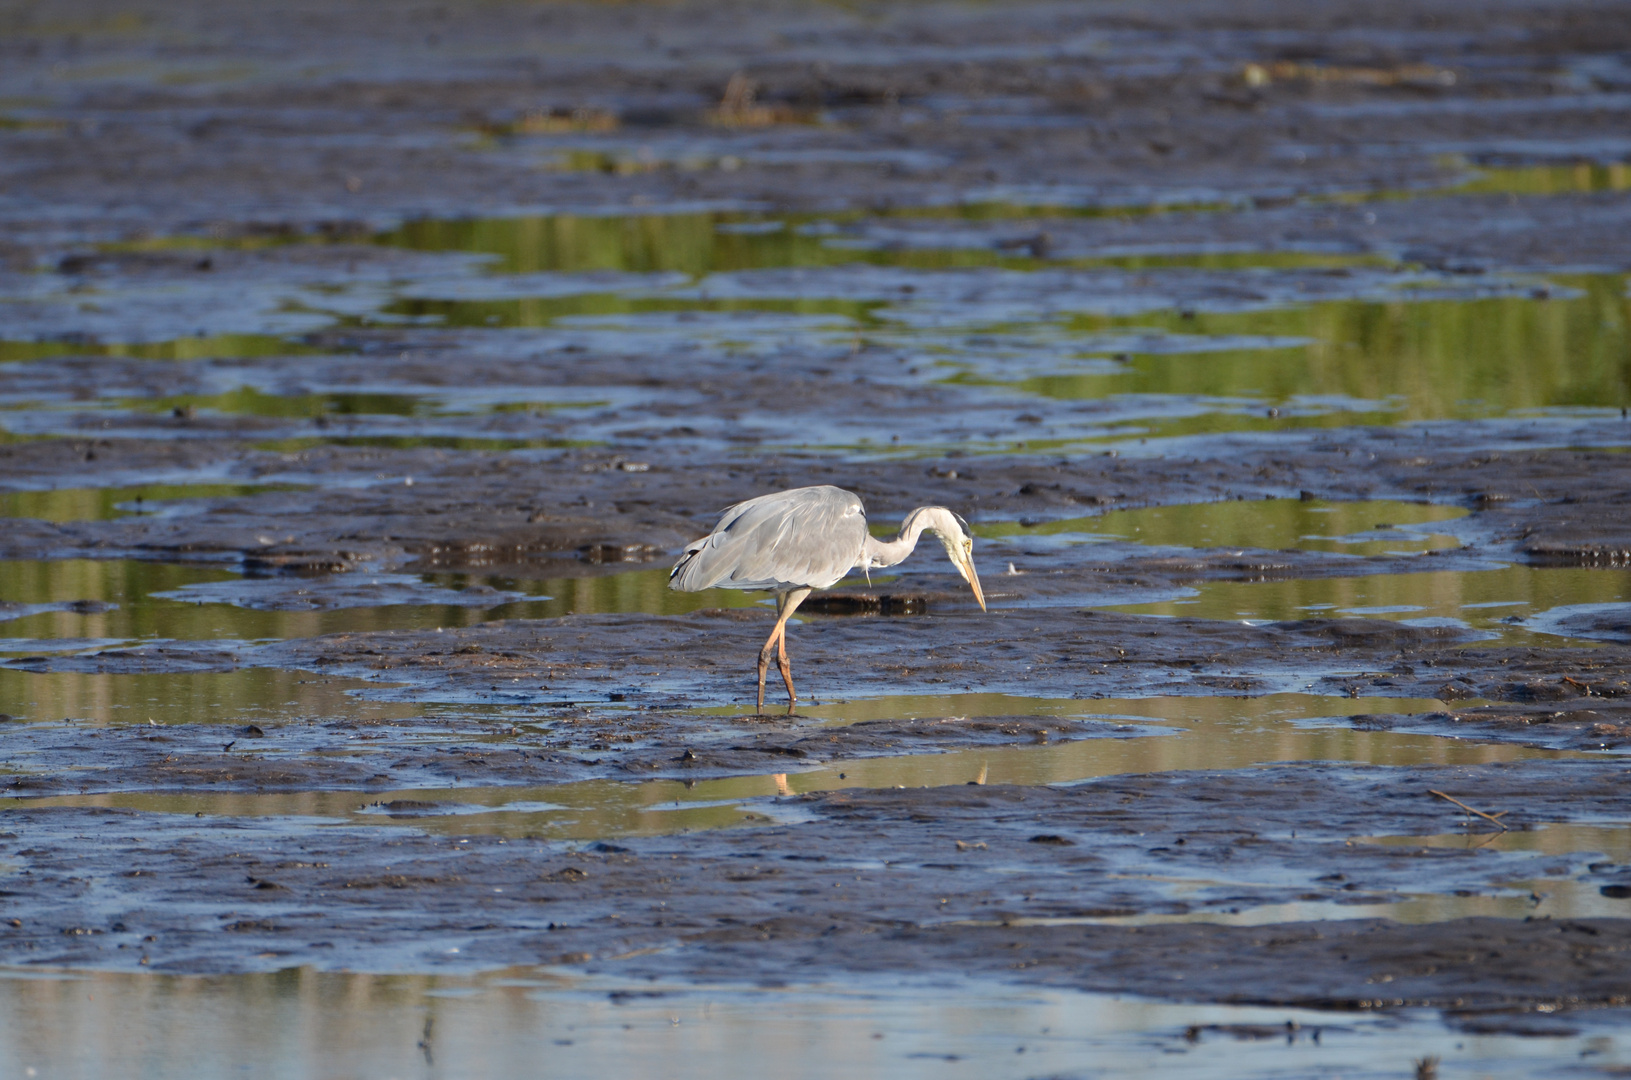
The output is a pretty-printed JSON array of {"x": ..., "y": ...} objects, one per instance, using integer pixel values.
[
  {"x": 1412, "y": 358},
  {"x": 231, "y": 699},
  {"x": 108, "y": 503},
  {"x": 199, "y": 347},
  {"x": 508, "y": 1022},
  {"x": 1372, "y": 527}
]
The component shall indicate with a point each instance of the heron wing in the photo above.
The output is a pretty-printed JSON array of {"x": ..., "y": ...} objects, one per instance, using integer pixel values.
[{"x": 805, "y": 537}]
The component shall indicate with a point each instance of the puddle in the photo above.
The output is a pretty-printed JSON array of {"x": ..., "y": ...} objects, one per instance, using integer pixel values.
[
  {"x": 1408, "y": 360},
  {"x": 1578, "y": 177},
  {"x": 644, "y": 592},
  {"x": 127, "y": 600},
  {"x": 1376, "y": 527},
  {"x": 258, "y": 696},
  {"x": 505, "y": 1022},
  {"x": 1500, "y": 602},
  {"x": 106, "y": 504},
  {"x": 201, "y": 347}
]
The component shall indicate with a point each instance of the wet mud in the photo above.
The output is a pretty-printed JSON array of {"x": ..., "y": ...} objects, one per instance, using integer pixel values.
[
  {"x": 1032, "y": 884},
  {"x": 356, "y": 393}
]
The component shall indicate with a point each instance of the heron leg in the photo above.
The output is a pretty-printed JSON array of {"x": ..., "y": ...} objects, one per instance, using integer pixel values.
[
  {"x": 764, "y": 662},
  {"x": 770, "y": 645},
  {"x": 777, "y": 643},
  {"x": 793, "y": 600}
]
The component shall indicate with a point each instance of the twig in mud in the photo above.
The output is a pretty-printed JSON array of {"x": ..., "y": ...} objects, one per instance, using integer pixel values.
[
  {"x": 424, "y": 1041},
  {"x": 1495, "y": 818}
]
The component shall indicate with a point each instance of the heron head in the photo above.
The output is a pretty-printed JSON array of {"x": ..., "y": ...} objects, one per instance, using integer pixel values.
[{"x": 955, "y": 535}]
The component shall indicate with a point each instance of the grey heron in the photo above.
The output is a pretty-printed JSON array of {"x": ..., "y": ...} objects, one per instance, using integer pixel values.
[{"x": 794, "y": 542}]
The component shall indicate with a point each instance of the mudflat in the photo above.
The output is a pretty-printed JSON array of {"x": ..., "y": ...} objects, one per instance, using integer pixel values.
[{"x": 361, "y": 378}]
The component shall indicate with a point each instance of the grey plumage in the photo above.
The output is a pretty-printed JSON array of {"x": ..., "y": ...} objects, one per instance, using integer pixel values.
[{"x": 807, "y": 537}]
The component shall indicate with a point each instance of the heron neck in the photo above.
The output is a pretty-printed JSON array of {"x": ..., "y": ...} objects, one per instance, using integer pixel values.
[{"x": 890, "y": 552}]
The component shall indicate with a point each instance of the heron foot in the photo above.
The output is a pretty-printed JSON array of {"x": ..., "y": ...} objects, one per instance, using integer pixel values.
[
  {"x": 786, "y": 667},
  {"x": 764, "y": 665}
]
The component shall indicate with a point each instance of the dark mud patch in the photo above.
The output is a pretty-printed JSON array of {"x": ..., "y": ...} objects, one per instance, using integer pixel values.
[
  {"x": 1468, "y": 235},
  {"x": 291, "y": 590},
  {"x": 918, "y": 880},
  {"x": 1565, "y": 723},
  {"x": 1602, "y": 622}
]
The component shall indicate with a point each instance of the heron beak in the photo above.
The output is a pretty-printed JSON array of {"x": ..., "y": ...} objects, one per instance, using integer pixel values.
[{"x": 966, "y": 566}]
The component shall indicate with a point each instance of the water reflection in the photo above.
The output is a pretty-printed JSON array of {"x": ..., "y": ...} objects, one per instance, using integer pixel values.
[
  {"x": 1411, "y": 359},
  {"x": 259, "y": 696},
  {"x": 105, "y": 504},
  {"x": 204, "y": 347},
  {"x": 506, "y": 1022},
  {"x": 1374, "y": 527},
  {"x": 1563, "y": 343},
  {"x": 1581, "y": 177}
]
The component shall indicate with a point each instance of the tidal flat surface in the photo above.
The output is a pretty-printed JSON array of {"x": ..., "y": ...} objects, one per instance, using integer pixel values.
[{"x": 358, "y": 389}]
